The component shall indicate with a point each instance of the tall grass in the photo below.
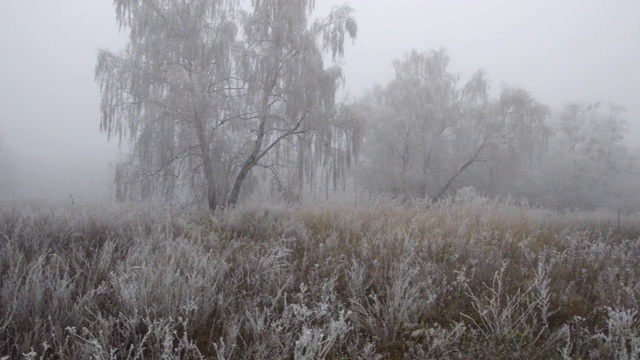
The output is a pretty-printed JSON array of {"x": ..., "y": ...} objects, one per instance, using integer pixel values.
[{"x": 463, "y": 278}]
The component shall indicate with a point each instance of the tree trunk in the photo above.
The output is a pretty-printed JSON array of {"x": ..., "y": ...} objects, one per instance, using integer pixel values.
[
  {"x": 251, "y": 161},
  {"x": 242, "y": 175},
  {"x": 212, "y": 200},
  {"x": 300, "y": 167},
  {"x": 256, "y": 154},
  {"x": 473, "y": 159}
]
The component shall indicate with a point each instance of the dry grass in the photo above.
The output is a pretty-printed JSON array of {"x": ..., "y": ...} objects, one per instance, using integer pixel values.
[{"x": 463, "y": 278}]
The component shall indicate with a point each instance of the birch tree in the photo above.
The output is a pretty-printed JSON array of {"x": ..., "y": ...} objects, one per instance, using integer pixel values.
[
  {"x": 503, "y": 138},
  {"x": 206, "y": 89},
  {"x": 412, "y": 118},
  {"x": 289, "y": 91},
  {"x": 428, "y": 131}
]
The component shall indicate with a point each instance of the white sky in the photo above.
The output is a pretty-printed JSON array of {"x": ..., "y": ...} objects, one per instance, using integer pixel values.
[{"x": 562, "y": 50}]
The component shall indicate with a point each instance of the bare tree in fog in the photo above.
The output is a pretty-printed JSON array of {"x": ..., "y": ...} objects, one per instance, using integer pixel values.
[
  {"x": 589, "y": 161},
  {"x": 206, "y": 91},
  {"x": 428, "y": 131},
  {"x": 513, "y": 137}
]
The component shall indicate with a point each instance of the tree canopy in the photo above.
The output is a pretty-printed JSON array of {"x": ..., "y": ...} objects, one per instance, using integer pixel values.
[
  {"x": 428, "y": 130},
  {"x": 206, "y": 91}
]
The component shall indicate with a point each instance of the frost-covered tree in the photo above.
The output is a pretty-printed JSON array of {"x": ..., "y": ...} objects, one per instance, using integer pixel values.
[
  {"x": 427, "y": 131},
  {"x": 289, "y": 91},
  {"x": 411, "y": 119},
  {"x": 207, "y": 90},
  {"x": 589, "y": 165},
  {"x": 511, "y": 139}
]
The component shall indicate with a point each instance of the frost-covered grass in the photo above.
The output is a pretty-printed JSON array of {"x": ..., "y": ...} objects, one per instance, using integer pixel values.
[{"x": 463, "y": 278}]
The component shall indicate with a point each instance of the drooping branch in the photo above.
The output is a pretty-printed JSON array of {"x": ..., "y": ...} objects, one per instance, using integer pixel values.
[{"x": 230, "y": 83}]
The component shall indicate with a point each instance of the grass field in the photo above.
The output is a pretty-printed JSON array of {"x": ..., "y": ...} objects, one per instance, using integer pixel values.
[{"x": 466, "y": 278}]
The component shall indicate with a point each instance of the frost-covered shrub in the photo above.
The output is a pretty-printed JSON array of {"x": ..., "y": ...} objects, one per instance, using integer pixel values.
[{"x": 471, "y": 278}]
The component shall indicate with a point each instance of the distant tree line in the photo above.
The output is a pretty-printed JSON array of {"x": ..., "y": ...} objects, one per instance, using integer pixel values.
[
  {"x": 213, "y": 101},
  {"x": 429, "y": 135}
]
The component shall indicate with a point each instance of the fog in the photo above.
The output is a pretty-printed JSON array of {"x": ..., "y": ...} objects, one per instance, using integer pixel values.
[
  {"x": 559, "y": 51},
  {"x": 48, "y": 99}
]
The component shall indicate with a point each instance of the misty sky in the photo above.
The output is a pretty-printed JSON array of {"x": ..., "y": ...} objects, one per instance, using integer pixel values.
[{"x": 558, "y": 50}]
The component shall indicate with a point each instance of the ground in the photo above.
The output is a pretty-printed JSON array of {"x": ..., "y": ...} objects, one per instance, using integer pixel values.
[{"x": 466, "y": 278}]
